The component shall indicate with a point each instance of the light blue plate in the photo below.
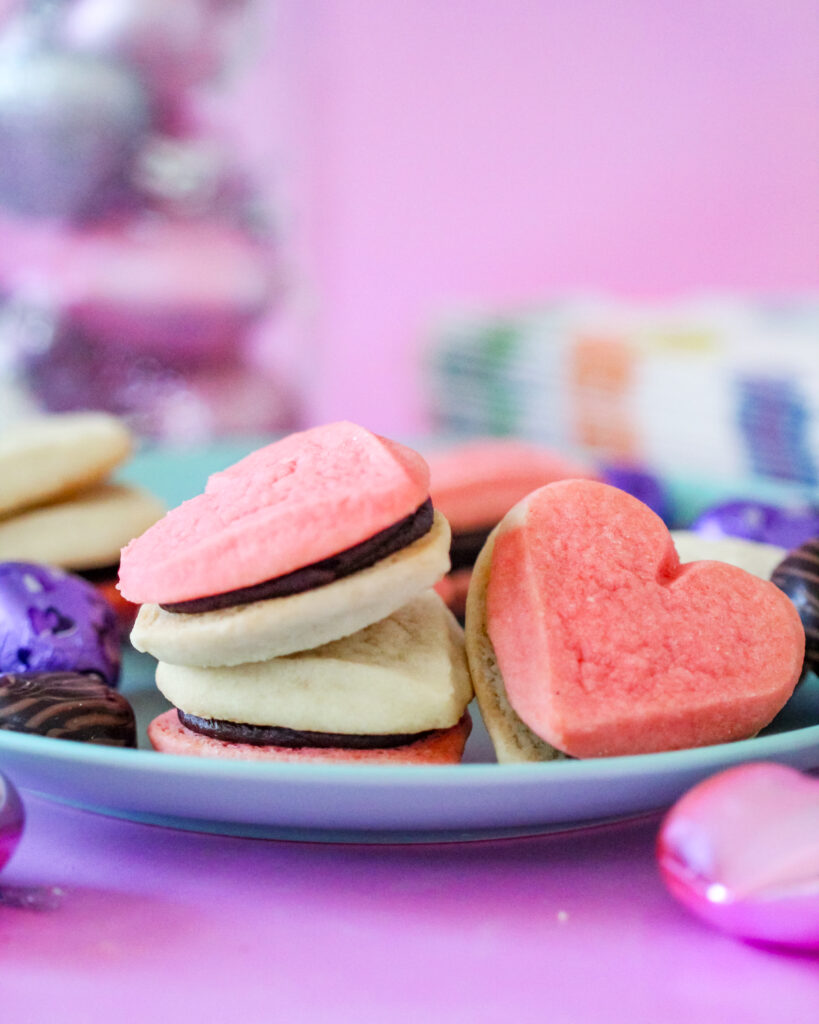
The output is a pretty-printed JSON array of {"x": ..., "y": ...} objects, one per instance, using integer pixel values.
[
  {"x": 475, "y": 800},
  {"x": 389, "y": 804}
]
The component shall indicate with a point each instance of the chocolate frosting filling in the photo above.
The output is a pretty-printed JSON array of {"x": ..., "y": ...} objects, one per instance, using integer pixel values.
[
  {"x": 106, "y": 574},
  {"x": 278, "y": 736},
  {"x": 466, "y": 546},
  {"x": 345, "y": 563}
]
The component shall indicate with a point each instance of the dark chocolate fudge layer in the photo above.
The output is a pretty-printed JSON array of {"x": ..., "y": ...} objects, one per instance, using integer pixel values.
[
  {"x": 277, "y": 736},
  {"x": 465, "y": 547}
]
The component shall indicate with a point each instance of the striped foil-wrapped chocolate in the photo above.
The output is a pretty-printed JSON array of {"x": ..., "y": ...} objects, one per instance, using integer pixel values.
[
  {"x": 68, "y": 706},
  {"x": 798, "y": 576}
]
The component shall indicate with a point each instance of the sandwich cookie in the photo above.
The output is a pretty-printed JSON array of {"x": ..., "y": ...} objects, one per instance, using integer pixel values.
[
  {"x": 396, "y": 691},
  {"x": 84, "y": 532},
  {"x": 44, "y": 459},
  {"x": 586, "y": 636},
  {"x": 305, "y": 541},
  {"x": 474, "y": 484}
]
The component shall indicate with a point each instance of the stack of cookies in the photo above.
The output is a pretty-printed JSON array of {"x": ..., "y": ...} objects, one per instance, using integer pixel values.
[
  {"x": 58, "y": 505},
  {"x": 290, "y": 609}
]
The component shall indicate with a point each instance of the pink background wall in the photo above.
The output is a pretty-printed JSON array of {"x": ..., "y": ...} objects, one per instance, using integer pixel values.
[{"x": 433, "y": 154}]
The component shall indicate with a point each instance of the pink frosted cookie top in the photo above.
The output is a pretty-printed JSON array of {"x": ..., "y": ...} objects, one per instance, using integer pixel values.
[
  {"x": 476, "y": 483},
  {"x": 285, "y": 506},
  {"x": 607, "y": 645}
]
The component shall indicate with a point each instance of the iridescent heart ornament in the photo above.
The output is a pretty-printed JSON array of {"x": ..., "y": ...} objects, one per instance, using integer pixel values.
[
  {"x": 11, "y": 820},
  {"x": 741, "y": 850}
]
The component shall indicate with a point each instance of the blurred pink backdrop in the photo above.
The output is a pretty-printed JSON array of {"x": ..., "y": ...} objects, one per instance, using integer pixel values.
[{"x": 436, "y": 154}]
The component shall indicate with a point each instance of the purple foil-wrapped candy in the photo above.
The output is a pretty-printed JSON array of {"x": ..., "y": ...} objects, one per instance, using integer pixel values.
[
  {"x": 741, "y": 850},
  {"x": 642, "y": 485},
  {"x": 53, "y": 621},
  {"x": 765, "y": 524}
]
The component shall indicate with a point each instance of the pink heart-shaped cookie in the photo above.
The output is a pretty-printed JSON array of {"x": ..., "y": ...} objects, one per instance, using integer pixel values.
[
  {"x": 295, "y": 502},
  {"x": 742, "y": 851},
  {"x": 607, "y": 645}
]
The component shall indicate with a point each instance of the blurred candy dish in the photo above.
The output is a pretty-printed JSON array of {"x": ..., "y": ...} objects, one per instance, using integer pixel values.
[
  {"x": 69, "y": 131},
  {"x": 182, "y": 290},
  {"x": 138, "y": 258},
  {"x": 172, "y": 48}
]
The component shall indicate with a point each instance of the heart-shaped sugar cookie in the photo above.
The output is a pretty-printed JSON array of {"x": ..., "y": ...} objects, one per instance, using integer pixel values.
[
  {"x": 293, "y": 503},
  {"x": 606, "y": 645}
]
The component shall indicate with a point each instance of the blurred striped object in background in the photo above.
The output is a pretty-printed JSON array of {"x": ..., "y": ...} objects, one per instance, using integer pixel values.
[{"x": 711, "y": 386}]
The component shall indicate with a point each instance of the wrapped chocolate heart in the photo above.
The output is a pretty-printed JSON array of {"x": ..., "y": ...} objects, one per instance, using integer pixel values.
[
  {"x": 66, "y": 706},
  {"x": 754, "y": 520},
  {"x": 798, "y": 576},
  {"x": 741, "y": 850},
  {"x": 51, "y": 620}
]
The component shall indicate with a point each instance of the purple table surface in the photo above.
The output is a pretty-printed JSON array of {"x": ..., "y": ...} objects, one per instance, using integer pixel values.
[{"x": 167, "y": 925}]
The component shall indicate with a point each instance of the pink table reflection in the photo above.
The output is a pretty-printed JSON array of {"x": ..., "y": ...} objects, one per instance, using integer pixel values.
[{"x": 161, "y": 924}]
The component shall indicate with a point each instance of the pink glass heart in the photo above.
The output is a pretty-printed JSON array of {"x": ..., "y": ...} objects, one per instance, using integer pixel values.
[
  {"x": 11, "y": 820},
  {"x": 741, "y": 850}
]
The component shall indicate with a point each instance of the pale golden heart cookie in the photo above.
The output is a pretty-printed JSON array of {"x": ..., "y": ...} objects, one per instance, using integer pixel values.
[
  {"x": 48, "y": 457},
  {"x": 84, "y": 531}
]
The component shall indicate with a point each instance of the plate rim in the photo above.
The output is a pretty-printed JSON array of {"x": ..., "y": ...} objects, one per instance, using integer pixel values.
[{"x": 625, "y": 766}]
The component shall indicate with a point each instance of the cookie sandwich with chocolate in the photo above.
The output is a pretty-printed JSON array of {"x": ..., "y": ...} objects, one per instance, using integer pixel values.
[{"x": 289, "y": 607}]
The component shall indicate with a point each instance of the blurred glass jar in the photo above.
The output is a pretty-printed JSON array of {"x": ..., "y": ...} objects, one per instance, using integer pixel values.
[{"x": 139, "y": 264}]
